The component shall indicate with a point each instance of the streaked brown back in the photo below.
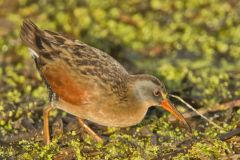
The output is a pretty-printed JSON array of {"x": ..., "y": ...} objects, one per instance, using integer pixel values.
[{"x": 79, "y": 58}]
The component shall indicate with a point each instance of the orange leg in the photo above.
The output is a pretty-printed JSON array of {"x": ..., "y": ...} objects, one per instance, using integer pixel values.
[
  {"x": 46, "y": 136},
  {"x": 89, "y": 130}
]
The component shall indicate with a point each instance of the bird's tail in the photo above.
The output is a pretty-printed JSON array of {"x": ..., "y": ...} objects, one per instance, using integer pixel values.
[{"x": 31, "y": 36}]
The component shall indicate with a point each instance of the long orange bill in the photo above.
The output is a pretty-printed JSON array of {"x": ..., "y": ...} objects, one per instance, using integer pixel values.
[{"x": 169, "y": 107}]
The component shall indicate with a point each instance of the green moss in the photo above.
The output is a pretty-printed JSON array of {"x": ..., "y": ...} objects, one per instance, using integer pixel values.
[
  {"x": 77, "y": 148},
  {"x": 7, "y": 152},
  {"x": 191, "y": 46},
  {"x": 14, "y": 96},
  {"x": 207, "y": 149},
  {"x": 35, "y": 149}
]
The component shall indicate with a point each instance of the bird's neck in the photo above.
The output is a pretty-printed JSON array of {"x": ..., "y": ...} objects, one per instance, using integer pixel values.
[{"x": 136, "y": 89}]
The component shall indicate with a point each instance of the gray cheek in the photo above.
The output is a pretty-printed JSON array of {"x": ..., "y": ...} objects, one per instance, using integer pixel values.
[{"x": 157, "y": 100}]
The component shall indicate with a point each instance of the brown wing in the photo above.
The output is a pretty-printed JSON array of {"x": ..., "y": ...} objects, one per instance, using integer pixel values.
[
  {"x": 80, "y": 60},
  {"x": 62, "y": 82}
]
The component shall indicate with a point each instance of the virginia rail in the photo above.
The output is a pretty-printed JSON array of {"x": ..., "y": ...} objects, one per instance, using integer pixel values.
[{"x": 90, "y": 84}]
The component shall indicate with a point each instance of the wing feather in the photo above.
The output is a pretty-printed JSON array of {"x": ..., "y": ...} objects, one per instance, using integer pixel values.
[{"x": 77, "y": 58}]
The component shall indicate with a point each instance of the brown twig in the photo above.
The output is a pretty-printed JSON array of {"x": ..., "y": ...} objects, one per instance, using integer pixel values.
[{"x": 230, "y": 134}]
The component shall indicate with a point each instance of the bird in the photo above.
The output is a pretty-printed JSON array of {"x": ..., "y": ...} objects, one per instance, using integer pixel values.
[{"x": 90, "y": 84}]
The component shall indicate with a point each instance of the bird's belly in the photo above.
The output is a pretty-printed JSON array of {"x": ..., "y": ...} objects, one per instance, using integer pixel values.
[
  {"x": 116, "y": 119},
  {"x": 111, "y": 116}
]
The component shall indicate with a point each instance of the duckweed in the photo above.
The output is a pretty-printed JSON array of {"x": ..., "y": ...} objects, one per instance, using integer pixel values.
[{"x": 193, "y": 47}]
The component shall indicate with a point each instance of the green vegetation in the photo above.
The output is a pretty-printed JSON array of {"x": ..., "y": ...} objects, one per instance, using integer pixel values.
[{"x": 192, "y": 46}]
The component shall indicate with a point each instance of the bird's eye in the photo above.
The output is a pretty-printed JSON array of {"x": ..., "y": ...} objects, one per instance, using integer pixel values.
[{"x": 156, "y": 92}]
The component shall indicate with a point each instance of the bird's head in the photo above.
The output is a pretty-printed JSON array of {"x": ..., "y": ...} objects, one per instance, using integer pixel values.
[{"x": 150, "y": 91}]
